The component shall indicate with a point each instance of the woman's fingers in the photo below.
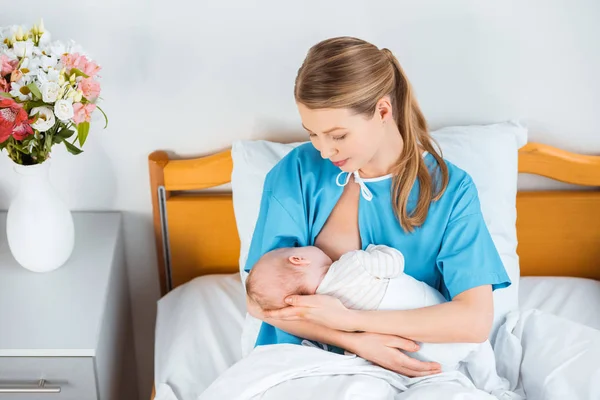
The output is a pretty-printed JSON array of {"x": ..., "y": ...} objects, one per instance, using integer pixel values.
[
  {"x": 420, "y": 366},
  {"x": 286, "y": 313},
  {"x": 412, "y": 373},
  {"x": 410, "y": 362},
  {"x": 403, "y": 344}
]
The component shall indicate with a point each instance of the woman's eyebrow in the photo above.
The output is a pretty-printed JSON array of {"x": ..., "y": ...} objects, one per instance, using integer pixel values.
[{"x": 335, "y": 128}]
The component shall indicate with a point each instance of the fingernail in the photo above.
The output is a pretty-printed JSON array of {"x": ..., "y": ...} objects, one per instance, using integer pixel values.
[{"x": 288, "y": 300}]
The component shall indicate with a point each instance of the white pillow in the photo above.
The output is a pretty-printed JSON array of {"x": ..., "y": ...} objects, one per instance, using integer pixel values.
[
  {"x": 489, "y": 153},
  {"x": 549, "y": 357},
  {"x": 566, "y": 297}
]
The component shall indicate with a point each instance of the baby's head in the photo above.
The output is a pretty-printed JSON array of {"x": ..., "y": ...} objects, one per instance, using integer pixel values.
[{"x": 286, "y": 271}]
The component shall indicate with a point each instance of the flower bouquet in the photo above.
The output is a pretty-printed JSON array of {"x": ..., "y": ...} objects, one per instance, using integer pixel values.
[{"x": 48, "y": 92}]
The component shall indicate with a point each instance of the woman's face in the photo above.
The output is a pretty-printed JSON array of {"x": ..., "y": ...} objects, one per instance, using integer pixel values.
[{"x": 349, "y": 141}]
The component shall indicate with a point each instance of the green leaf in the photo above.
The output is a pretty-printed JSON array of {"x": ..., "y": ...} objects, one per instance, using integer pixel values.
[
  {"x": 72, "y": 148},
  {"x": 35, "y": 91},
  {"x": 47, "y": 143},
  {"x": 79, "y": 72},
  {"x": 5, "y": 95},
  {"x": 82, "y": 132},
  {"x": 65, "y": 133},
  {"x": 105, "y": 117},
  {"x": 31, "y": 104}
]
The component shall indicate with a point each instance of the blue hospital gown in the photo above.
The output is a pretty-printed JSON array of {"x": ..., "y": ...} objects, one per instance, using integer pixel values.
[{"x": 452, "y": 251}]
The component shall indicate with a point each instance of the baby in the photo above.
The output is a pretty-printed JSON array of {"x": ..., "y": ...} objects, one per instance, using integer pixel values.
[{"x": 371, "y": 279}]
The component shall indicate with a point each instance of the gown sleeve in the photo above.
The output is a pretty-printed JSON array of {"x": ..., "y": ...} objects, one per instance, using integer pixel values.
[{"x": 468, "y": 257}]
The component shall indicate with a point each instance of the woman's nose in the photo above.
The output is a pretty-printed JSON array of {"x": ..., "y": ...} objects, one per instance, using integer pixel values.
[{"x": 328, "y": 152}]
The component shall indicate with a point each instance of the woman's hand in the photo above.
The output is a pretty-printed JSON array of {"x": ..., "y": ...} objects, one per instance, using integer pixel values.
[
  {"x": 321, "y": 309},
  {"x": 254, "y": 309},
  {"x": 384, "y": 350}
]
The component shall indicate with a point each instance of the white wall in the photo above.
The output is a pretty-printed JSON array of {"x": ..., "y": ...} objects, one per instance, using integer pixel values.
[{"x": 191, "y": 77}]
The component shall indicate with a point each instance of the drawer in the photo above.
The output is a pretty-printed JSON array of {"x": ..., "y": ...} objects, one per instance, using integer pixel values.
[{"x": 74, "y": 375}]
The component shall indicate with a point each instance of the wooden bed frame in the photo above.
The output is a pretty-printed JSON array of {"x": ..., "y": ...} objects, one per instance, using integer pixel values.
[{"x": 558, "y": 231}]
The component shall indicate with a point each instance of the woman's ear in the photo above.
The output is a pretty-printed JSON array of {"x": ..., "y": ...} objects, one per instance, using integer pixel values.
[
  {"x": 299, "y": 261},
  {"x": 384, "y": 108}
]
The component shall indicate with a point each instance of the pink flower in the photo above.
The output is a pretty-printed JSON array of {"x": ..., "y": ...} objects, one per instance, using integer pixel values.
[
  {"x": 13, "y": 120},
  {"x": 7, "y": 65},
  {"x": 83, "y": 112},
  {"x": 91, "y": 69},
  {"x": 71, "y": 60},
  {"x": 90, "y": 88},
  {"x": 76, "y": 60}
]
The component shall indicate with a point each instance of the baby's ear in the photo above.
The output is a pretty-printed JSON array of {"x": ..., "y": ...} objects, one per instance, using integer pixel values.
[{"x": 299, "y": 261}]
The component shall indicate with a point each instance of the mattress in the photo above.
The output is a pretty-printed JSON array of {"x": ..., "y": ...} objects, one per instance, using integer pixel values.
[{"x": 207, "y": 315}]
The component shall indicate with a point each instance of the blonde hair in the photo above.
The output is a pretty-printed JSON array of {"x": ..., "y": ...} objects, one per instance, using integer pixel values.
[{"x": 346, "y": 72}]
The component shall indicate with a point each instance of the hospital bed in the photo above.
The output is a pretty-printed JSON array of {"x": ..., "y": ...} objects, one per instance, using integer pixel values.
[{"x": 198, "y": 244}]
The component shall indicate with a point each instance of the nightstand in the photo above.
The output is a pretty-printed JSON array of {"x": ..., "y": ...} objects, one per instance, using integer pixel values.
[{"x": 66, "y": 334}]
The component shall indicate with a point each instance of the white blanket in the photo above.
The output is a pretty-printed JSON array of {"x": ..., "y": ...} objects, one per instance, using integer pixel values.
[
  {"x": 543, "y": 356},
  {"x": 303, "y": 372}
]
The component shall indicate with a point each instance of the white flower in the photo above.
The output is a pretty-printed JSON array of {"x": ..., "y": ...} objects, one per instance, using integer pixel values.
[
  {"x": 50, "y": 92},
  {"x": 74, "y": 47},
  {"x": 64, "y": 110},
  {"x": 10, "y": 32},
  {"x": 30, "y": 66},
  {"x": 47, "y": 62},
  {"x": 56, "y": 49},
  {"x": 78, "y": 95},
  {"x": 52, "y": 75},
  {"x": 24, "y": 48},
  {"x": 45, "y": 38},
  {"x": 10, "y": 53},
  {"x": 45, "y": 119},
  {"x": 19, "y": 90}
]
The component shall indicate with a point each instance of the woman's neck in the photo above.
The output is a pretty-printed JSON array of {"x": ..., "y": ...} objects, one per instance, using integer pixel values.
[{"x": 386, "y": 157}]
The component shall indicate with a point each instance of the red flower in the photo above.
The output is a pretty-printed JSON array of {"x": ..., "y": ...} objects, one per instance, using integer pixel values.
[
  {"x": 13, "y": 120},
  {"x": 4, "y": 85}
]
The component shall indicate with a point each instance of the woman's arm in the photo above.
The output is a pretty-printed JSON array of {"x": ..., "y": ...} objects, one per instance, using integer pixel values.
[
  {"x": 466, "y": 319},
  {"x": 377, "y": 348}
]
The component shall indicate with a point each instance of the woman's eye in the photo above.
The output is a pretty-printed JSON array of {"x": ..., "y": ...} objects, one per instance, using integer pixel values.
[{"x": 339, "y": 137}]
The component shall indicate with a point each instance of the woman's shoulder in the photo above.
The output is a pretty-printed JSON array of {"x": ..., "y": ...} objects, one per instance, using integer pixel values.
[
  {"x": 301, "y": 160},
  {"x": 458, "y": 178},
  {"x": 461, "y": 195}
]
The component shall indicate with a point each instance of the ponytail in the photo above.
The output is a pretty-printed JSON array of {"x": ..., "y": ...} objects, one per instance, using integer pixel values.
[{"x": 411, "y": 165}]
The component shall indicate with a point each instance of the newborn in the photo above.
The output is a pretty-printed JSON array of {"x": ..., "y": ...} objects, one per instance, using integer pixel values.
[{"x": 360, "y": 280}]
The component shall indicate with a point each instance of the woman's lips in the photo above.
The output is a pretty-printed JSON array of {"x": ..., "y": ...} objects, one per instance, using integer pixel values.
[{"x": 340, "y": 163}]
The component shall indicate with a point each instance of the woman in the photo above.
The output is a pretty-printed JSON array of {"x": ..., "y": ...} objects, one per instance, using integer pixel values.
[{"x": 371, "y": 175}]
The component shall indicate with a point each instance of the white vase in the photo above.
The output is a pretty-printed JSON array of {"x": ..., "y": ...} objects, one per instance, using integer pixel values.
[{"x": 39, "y": 225}]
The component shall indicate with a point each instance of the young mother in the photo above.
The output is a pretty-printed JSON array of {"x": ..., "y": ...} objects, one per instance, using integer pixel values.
[{"x": 371, "y": 175}]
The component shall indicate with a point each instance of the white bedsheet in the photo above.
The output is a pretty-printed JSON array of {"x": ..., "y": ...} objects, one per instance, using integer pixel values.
[
  {"x": 199, "y": 326},
  {"x": 304, "y": 373}
]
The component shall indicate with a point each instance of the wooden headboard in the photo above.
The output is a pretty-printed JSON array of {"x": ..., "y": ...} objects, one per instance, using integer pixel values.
[{"x": 196, "y": 234}]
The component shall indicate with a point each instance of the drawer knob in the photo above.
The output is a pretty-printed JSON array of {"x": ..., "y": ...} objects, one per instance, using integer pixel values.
[{"x": 33, "y": 387}]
